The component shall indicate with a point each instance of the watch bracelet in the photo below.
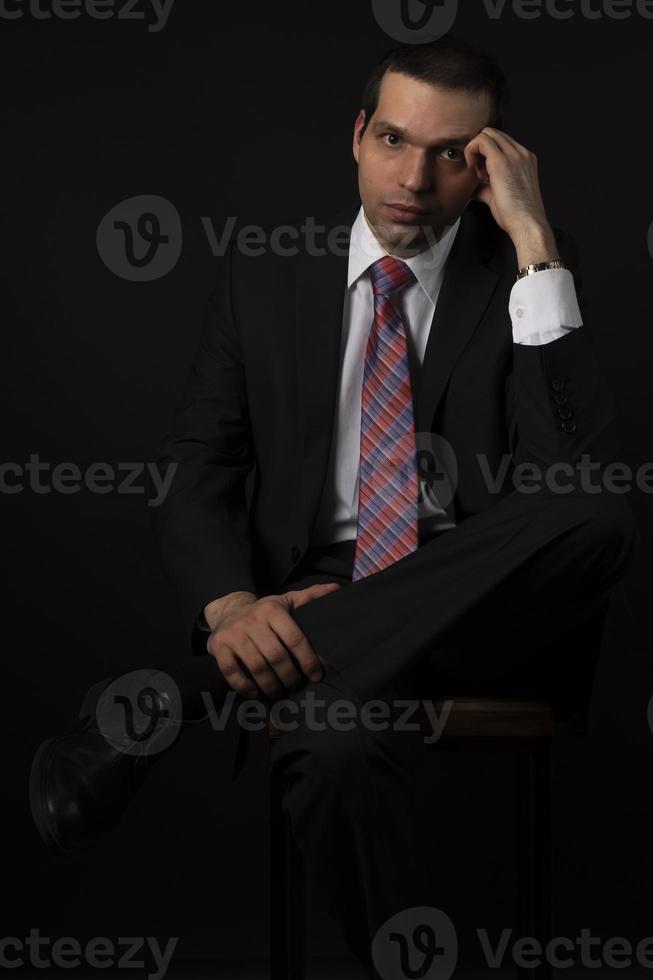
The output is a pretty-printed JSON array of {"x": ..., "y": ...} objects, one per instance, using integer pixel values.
[{"x": 528, "y": 270}]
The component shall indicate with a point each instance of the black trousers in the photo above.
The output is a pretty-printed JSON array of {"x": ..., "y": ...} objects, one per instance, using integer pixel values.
[{"x": 509, "y": 603}]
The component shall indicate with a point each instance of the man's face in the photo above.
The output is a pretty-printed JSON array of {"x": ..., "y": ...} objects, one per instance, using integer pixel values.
[{"x": 411, "y": 154}]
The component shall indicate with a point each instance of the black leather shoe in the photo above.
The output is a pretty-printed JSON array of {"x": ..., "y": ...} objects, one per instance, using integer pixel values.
[{"x": 82, "y": 782}]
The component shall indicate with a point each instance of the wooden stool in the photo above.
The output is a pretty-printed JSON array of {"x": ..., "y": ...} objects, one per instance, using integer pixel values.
[{"x": 522, "y": 727}]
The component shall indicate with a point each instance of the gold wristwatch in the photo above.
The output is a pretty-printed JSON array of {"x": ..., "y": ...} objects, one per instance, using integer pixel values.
[{"x": 528, "y": 270}]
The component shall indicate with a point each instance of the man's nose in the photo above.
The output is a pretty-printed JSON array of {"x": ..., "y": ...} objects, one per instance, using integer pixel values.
[{"x": 417, "y": 173}]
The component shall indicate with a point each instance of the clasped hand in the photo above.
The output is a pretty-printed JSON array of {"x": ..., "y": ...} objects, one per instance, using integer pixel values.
[{"x": 259, "y": 647}]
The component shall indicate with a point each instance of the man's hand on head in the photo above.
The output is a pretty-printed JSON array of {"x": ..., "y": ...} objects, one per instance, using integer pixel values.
[
  {"x": 260, "y": 638},
  {"x": 511, "y": 189}
]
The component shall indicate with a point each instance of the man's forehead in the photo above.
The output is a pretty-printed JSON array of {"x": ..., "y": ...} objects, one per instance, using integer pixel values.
[{"x": 428, "y": 111}]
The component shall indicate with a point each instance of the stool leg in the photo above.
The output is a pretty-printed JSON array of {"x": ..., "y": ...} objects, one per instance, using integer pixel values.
[
  {"x": 296, "y": 899},
  {"x": 287, "y": 916},
  {"x": 279, "y": 969},
  {"x": 533, "y": 835}
]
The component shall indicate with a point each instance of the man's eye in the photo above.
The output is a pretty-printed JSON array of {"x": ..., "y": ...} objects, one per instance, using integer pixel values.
[
  {"x": 452, "y": 150},
  {"x": 391, "y": 136}
]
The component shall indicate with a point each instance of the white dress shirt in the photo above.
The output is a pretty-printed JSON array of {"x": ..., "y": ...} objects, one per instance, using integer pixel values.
[{"x": 542, "y": 307}]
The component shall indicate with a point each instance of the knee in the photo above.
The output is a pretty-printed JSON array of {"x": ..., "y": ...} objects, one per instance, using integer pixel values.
[{"x": 612, "y": 530}]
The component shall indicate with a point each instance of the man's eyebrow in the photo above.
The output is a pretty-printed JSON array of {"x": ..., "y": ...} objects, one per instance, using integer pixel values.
[{"x": 460, "y": 140}]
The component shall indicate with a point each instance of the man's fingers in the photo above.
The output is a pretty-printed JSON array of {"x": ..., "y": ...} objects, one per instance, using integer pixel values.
[
  {"x": 297, "y": 644},
  {"x": 299, "y": 597},
  {"x": 272, "y": 657},
  {"x": 263, "y": 675},
  {"x": 482, "y": 151},
  {"x": 231, "y": 670},
  {"x": 481, "y": 146},
  {"x": 293, "y": 638},
  {"x": 279, "y": 658},
  {"x": 245, "y": 669},
  {"x": 476, "y": 160},
  {"x": 504, "y": 140}
]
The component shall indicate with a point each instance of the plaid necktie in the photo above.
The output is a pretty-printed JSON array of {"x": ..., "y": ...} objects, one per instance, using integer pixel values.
[{"x": 388, "y": 491}]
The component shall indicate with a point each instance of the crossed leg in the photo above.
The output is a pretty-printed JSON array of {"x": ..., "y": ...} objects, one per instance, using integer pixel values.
[
  {"x": 532, "y": 565},
  {"x": 484, "y": 604}
]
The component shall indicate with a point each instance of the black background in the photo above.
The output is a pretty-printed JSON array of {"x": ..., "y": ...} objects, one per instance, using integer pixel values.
[{"x": 248, "y": 111}]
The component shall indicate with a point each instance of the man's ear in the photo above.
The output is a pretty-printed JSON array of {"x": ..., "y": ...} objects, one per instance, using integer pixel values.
[{"x": 358, "y": 128}]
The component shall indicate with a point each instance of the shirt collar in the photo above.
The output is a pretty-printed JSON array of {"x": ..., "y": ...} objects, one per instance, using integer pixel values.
[{"x": 365, "y": 249}]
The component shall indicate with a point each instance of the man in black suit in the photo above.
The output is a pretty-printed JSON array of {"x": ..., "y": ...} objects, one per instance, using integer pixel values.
[{"x": 387, "y": 456}]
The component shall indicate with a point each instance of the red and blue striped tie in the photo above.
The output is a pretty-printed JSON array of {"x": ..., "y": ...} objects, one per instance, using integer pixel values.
[{"x": 388, "y": 486}]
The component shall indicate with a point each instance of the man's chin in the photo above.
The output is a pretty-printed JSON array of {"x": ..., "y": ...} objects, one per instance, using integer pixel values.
[{"x": 395, "y": 236}]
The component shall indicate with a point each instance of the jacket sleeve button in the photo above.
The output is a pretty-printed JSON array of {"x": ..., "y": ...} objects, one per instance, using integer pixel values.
[
  {"x": 565, "y": 412},
  {"x": 568, "y": 427},
  {"x": 557, "y": 384}
]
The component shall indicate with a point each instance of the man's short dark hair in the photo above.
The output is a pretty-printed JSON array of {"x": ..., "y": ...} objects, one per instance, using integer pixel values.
[{"x": 449, "y": 62}]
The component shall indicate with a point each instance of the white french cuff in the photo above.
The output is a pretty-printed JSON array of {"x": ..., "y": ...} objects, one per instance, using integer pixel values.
[{"x": 544, "y": 307}]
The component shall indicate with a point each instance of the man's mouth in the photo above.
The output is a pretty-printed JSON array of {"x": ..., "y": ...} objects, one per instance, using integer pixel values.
[{"x": 406, "y": 213}]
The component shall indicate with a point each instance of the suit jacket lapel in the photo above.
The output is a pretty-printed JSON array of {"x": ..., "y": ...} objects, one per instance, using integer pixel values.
[
  {"x": 466, "y": 290},
  {"x": 319, "y": 304}
]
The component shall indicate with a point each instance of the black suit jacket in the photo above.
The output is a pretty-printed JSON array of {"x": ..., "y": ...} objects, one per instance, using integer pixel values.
[{"x": 251, "y": 435}]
